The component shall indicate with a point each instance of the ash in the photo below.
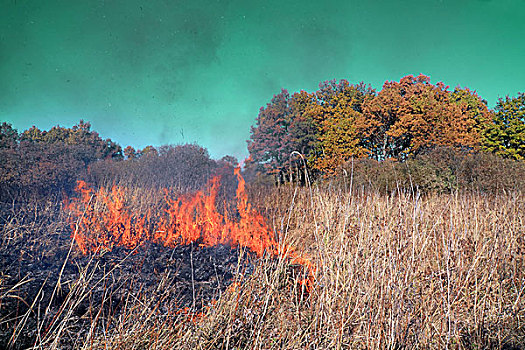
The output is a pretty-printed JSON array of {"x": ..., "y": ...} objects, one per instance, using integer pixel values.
[{"x": 44, "y": 283}]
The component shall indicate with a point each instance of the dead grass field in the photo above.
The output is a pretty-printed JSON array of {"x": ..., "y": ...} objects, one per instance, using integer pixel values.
[{"x": 392, "y": 271}]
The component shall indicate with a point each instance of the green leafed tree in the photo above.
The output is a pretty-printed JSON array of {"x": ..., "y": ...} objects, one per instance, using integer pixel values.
[{"x": 506, "y": 136}]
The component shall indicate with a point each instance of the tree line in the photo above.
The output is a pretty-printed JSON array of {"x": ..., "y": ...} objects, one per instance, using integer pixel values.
[
  {"x": 324, "y": 130},
  {"x": 341, "y": 122},
  {"x": 38, "y": 163}
]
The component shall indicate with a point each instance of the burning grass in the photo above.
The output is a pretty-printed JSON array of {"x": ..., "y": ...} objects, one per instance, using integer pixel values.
[
  {"x": 102, "y": 220},
  {"x": 390, "y": 271}
]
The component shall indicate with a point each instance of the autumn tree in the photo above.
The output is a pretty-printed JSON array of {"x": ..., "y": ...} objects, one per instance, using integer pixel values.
[
  {"x": 9, "y": 156},
  {"x": 506, "y": 136},
  {"x": 322, "y": 126},
  {"x": 228, "y": 160},
  {"x": 8, "y": 135},
  {"x": 130, "y": 152},
  {"x": 474, "y": 106},
  {"x": 148, "y": 151},
  {"x": 412, "y": 115},
  {"x": 280, "y": 130},
  {"x": 47, "y": 168},
  {"x": 339, "y": 121},
  {"x": 342, "y": 121},
  {"x": 81, "y": 134},
  {"x": 182, "y": 167},
  {"x": 303, "y": 130}
]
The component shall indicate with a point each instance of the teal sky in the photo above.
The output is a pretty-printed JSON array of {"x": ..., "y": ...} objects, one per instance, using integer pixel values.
[{"x": 177, "y": 71}]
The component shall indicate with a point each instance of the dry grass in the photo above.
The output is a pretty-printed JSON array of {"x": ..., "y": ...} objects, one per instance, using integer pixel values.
[
  {"x": 393, "y": 271},
  {"x": 397, "y": 271}
]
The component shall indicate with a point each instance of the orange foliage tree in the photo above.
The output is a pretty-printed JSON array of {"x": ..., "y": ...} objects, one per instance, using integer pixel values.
[
  {"x": 339, "y": 122},
  {"x": 412, "y": 115}
]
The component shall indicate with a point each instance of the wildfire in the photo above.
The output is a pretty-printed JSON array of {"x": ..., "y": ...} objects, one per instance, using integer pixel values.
[{"x": 101, "y": 221}]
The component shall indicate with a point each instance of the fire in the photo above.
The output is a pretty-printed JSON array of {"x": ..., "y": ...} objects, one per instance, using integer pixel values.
[{"x": 101, "y": 220}]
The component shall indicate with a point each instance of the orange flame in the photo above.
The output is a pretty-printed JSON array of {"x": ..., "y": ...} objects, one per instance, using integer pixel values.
[{"x": 101, "y": 220}]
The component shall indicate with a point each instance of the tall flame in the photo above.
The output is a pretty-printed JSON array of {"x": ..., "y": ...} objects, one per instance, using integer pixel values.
[{"x": 100, "y": 221}]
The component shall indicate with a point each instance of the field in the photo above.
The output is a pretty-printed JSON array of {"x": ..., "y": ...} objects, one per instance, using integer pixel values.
[{"x": 376, "y": 271}]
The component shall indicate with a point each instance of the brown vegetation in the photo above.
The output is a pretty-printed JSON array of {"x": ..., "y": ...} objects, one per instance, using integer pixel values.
[{"x": 393, "y": 270}]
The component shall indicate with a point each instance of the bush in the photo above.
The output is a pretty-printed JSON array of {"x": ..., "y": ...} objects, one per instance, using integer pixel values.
[
  {"x": 183, "y": 167},
  {"x": 438, "y": 170}
]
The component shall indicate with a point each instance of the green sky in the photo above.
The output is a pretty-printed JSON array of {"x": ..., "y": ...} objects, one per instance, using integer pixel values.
[{"x": 176, "y": 71}]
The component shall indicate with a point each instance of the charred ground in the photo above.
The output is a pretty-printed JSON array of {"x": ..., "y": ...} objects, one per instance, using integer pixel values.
[{"x": 46, "y": 279}]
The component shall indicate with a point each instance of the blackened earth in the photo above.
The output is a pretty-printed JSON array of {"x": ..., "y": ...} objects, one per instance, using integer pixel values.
[{"x": 34, "y": 300}]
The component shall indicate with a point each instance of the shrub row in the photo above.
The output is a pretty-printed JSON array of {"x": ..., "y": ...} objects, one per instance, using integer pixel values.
[{"x": 437, "y": 171}]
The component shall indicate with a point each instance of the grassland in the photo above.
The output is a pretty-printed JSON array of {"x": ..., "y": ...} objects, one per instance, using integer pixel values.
[{"x": 396, "y": 270}]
